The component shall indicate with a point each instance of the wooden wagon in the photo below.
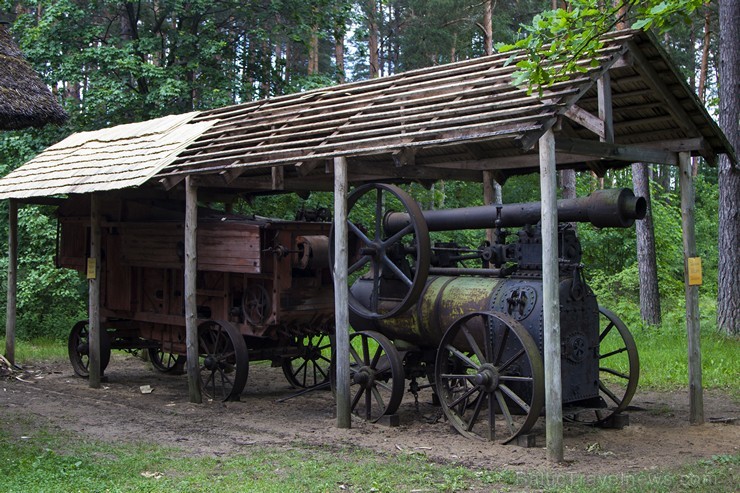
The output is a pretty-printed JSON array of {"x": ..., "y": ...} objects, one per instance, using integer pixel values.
[{"x": 264, "y": 291}]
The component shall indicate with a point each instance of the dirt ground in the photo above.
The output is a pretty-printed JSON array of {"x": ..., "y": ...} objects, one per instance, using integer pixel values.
[{"x": 658, "y": 436}]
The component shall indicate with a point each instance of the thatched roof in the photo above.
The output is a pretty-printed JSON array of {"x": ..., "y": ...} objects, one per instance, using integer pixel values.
[{"x": 25, "y": 101}]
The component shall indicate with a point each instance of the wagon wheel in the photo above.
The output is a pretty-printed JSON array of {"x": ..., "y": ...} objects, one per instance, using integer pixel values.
[
  {"x": 312, "y": 366},
  {"x": 376, "y": 373},
  {"x": 619, "y": 370},
  {"x": 223, "y": 360},
  {"x": 165, "y": 362},
  {"x": 256, "y": 304},
  {"x": 399, "y": 264},
  {"x": 78, "y": 347},
  {"x": 488, "y": 363}
]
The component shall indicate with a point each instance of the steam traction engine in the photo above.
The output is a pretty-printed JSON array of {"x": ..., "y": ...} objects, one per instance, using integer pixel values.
[
  {"x": 264, "y": 291},
  {"x": 477, "y": 333}
]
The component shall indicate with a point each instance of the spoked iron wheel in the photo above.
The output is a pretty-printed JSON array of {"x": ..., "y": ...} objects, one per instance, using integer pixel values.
[
  {"x": 487, "y": 363},
  {"x": 78, "y": 347},
  {"x": 165, "y": 362},
  {"x": 377, "y": 378},
  {"x": 398, "y": 264},
  {"x": 223, "y": 360},
  {"x": 313, "y": 366},
  {"x": 619, "y": 370}
]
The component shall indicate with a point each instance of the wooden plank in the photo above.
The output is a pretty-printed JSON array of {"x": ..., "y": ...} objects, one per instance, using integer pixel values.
[
  {"x": 586, "y": 119},
  {"x": 688, "y": 203},
  {"x": 10, "y": 313},
  {"x": 95, "y": 372},
  {"x": 551, "y": 299},
  {"x": 604, "y": 96},
  {"x": 341, "y": 293},
  {"x": 629, "y": 153},
  {"x": 190, "y": 274}
]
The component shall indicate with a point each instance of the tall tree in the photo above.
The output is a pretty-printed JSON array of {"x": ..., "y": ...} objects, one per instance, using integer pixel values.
[
  {"x": 647, "y": 264},
  {"x": 728, "y": 305}
]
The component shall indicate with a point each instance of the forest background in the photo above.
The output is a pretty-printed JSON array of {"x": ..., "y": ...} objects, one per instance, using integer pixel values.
[{"x": 113, "y": 62}]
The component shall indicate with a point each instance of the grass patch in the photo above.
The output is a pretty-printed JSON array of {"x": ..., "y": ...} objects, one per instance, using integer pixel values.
[
  {"x": 664, "y": 359},
  {"x": 35, "y": 459},
  {"x": 37, "y": 350}
]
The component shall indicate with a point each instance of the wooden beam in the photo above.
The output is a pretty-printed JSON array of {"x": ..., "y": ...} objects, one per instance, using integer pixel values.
[
  {"x": 604, "y": 97},
  {"x": 696, "y": 398},
  {"x": 170, "y": 182},
  {"x": 551, "y": 299},
  {"x": 278, "y": 177},
  {"x": 53, "y": 201},
  {"x": 615, "y": 151},
  {"x": 681, "y": 117},
  {"x": 586, "y": 119},
  {"x": 10, "y": 314},
  {"x": 93, "y": 273},
  {"x": 341, "y": 293},
  {"x": 491, "y": 195},
  {"x": 405, "y": 156},
  {"x": 305, "y": 167},
  {"x": 190, "y": 273}
]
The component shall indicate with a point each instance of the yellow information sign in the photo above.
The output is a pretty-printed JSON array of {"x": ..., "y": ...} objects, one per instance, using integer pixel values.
[
  {"x": 694, "y": 271},
  {"x": 91, "y": 268}
]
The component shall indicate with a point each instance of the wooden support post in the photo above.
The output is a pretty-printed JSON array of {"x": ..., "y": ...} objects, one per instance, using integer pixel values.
[
  {"x": 491, "y": 195},
  {"x": 10, "y": 317},
  {"x": 341, "y": 293},
  {"x": 696, "y": 398},
  {"x": 604, "y": 96},
  {"x": 551, "y": 299},
  {"x": 93, "y": 276},
  {"x": 190, "y": 272}
]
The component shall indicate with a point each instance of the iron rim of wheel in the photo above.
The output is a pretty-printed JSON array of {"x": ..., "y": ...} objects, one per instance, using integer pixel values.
[
  {"x": 78, "y": 349},
  {"x": 616, "y": 388},
  {"x": 376, "y": 376},
  {"x": 487, "y": 363},
  {"x": 166, "y": 362},
  {"x": 313, "y": 366},
  {"x": 223, "y": 360}
]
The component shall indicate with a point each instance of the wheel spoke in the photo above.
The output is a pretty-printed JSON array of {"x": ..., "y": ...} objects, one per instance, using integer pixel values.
[
  {"x": 409, "y": 228},
  {"x": 609, "y": 393},
  {"x": 397, "y": 271},
  {"x": 491, "y": 429},
  {"x": 378, "y": 397},
  {"x": 612, "y": 353},
  {"x": 478, "y": 405},
  {"x": 502, "y": 346},
  {"x": 357, "y": 397},
  {"x": 469, "y": 362},
  {"x": 606, "y": 331},
  {"x": 512, "y": 395},
  {"x": 511, "y": 360},
  {"x": 358, "y": 232},
  {"x": 615, "y": 373},
  {"x": 505, "y": 410},
  {"x": 356, "y": 356},
  {"x": 464, "y": 396},
  {"x": 515, "y": 378},
  {"x": 365, "y": 350},
  {"x": 473, "y": 344},
  {"x": 378, "y": 213},
  {"x": 363, "y": 260}
]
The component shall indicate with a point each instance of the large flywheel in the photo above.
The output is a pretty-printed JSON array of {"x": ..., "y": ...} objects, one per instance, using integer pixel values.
[{"x": 397, "y": 264}]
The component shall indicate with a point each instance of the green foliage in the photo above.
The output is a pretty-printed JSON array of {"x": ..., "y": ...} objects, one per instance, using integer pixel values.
[{"x": 555, "y": 41}]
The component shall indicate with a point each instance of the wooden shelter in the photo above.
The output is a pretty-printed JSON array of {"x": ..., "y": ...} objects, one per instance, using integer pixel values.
[
  {"x": 25, "y": 101},
  {"x": 463, "y": 121}
]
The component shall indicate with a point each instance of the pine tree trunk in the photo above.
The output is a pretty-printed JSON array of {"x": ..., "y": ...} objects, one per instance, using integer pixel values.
[
  {"x": 646, "y": 261},
  {"x": 339, "y": 55},
  {"x": 728, "y": 303},
  {"x": 372, "y": 25}
]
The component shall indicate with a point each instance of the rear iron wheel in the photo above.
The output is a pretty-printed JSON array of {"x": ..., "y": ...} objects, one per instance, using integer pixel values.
[
  {"x": 165, "y": 362},
  {"x": 488, "y": 364},
  {"x": 223, "y": 360},
  {"x": 78, "y": 348},
  {"x": 377, "y": 375},
  {"x": 313, "y": 365},
  {"x": 619, "y": 371}
]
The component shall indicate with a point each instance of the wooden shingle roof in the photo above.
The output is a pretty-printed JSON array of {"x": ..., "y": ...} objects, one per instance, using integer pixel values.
[
  {"x": 451, "y": 121},
  {"x": 107, "y": 159}
]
